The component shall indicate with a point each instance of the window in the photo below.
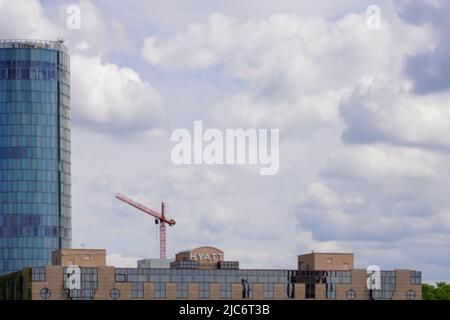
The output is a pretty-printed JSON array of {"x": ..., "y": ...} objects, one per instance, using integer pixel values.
[
  {"x": 351, "y": 294},
  {"x": 137, "y": 290},
  {"x": 225, "y": 290},
  {"x": 410, "y": 295},
  {"x": 45, "y": 293},
  {"x": 268, "y": 290},
  {"x": 182, "y": 290},
  {"x": 38, "y": 274},
  {"x": 203, "y": 290},
  {"x": 114, "y": 293},
  {"x": 331, "y": 290},
  {"x": 310, "y": 292},
  {"x": 416, "y": 277},
  {"x": 120, "y": 278},
  {"x": 160, "y": 290}
]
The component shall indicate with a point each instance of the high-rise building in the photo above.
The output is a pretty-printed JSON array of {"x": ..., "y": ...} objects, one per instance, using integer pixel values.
[{"x": 35, "y": 189}]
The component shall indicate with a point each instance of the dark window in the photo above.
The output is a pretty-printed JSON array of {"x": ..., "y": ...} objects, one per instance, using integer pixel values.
[{"x": 310, "y": 292}]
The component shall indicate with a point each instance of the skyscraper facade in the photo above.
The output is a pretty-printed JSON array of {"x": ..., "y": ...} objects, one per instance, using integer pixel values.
[{"x": 35, "y": 188}]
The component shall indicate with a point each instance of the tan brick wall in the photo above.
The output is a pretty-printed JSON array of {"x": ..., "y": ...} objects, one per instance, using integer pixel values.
[
  {"x": 79, "y": 257},
  {"x": 106, "y": 282},
  {"x": 193, "y": 289},
  {"x": 306, "y": 262},
  {"x": 258, "y": 292},
  {"x": 319, "y": 261},
  {"x": 215, "y": 291},
  {"x": 125, "y": 290},
  {"x": 236, "y": 291},
  {"x": 171, "y": 291},
  {"x": 149, "y": 291},
  {"x": 402, "y": 285},
  {"x": 300, "y": 291},
  {"x": 321, "y": 291},
  {"x": 358, "y": 284},
  {"x": 53, "y": 281},
  {"x": 279, "y": 291}
]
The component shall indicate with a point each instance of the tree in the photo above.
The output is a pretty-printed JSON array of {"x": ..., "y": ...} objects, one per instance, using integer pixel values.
[{"x": 439, "y": 292}]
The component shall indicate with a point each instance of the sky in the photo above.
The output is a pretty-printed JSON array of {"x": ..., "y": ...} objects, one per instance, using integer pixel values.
[{"x": 363, "y": 114}]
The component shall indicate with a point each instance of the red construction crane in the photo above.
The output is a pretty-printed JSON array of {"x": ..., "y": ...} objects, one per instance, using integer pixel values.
[{"x": 159, "y": 218}]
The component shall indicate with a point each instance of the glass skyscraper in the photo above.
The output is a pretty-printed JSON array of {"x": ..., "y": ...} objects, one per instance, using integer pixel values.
[{"x": 35, "y": 189}]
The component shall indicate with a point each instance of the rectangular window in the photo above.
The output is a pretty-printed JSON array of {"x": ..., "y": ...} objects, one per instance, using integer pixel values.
[
  {"x": 182, "y": 290},
  {"x": 160, "y": 289},
  {"x": 225, "y": 290},
  {"x": 203, "y": 290},
  {"x": 120, "y": 278},
  {"x": 137, "y": 290},
  {"x": 416, "y": 277},
  {"x": 38, "y": 274},
  {"x": 268, "y": 290},
  {"x": 310, "y": 292}
]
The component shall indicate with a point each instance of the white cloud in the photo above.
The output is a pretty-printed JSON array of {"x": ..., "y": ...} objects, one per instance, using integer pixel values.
[
  {"x": 110, "y": 98},
  {"x": 119, "y": 261},
  {"x": 381, "y": 162},
  {"x": 203, "y": 45},
  {"x": 298, "y": 67},
  {"x": 26, "y": 19},
  {"x": 381, "y": 112},
  {"x": 300, "y": 53}
]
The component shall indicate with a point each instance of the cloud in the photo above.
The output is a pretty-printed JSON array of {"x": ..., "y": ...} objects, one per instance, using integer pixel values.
[
  {"x": 297, "y": 67},
  {"x": 381, "y": 112},
  {"x": 98, "y": 34},
  {"x": 25, "y": 19},
  {"x": 203, "y": 45},
  {"x": 429, "y": 70},
  {"x": 105, "y": 97},
  {"x": 305, "y": 53},
  {"x": 381, "y": 162},
  {"x": 113, "y": 99},
  {"x": 119, "y": 261}
]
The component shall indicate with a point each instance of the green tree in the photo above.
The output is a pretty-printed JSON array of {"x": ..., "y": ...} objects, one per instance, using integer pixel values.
[{"x": 439, "y": 292}]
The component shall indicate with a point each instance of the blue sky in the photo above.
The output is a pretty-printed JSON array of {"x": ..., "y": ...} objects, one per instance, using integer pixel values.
[{"x": 364, "y": 119}]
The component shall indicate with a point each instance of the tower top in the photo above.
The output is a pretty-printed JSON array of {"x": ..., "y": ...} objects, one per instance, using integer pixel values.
[{"x": 33, "y": 43}]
